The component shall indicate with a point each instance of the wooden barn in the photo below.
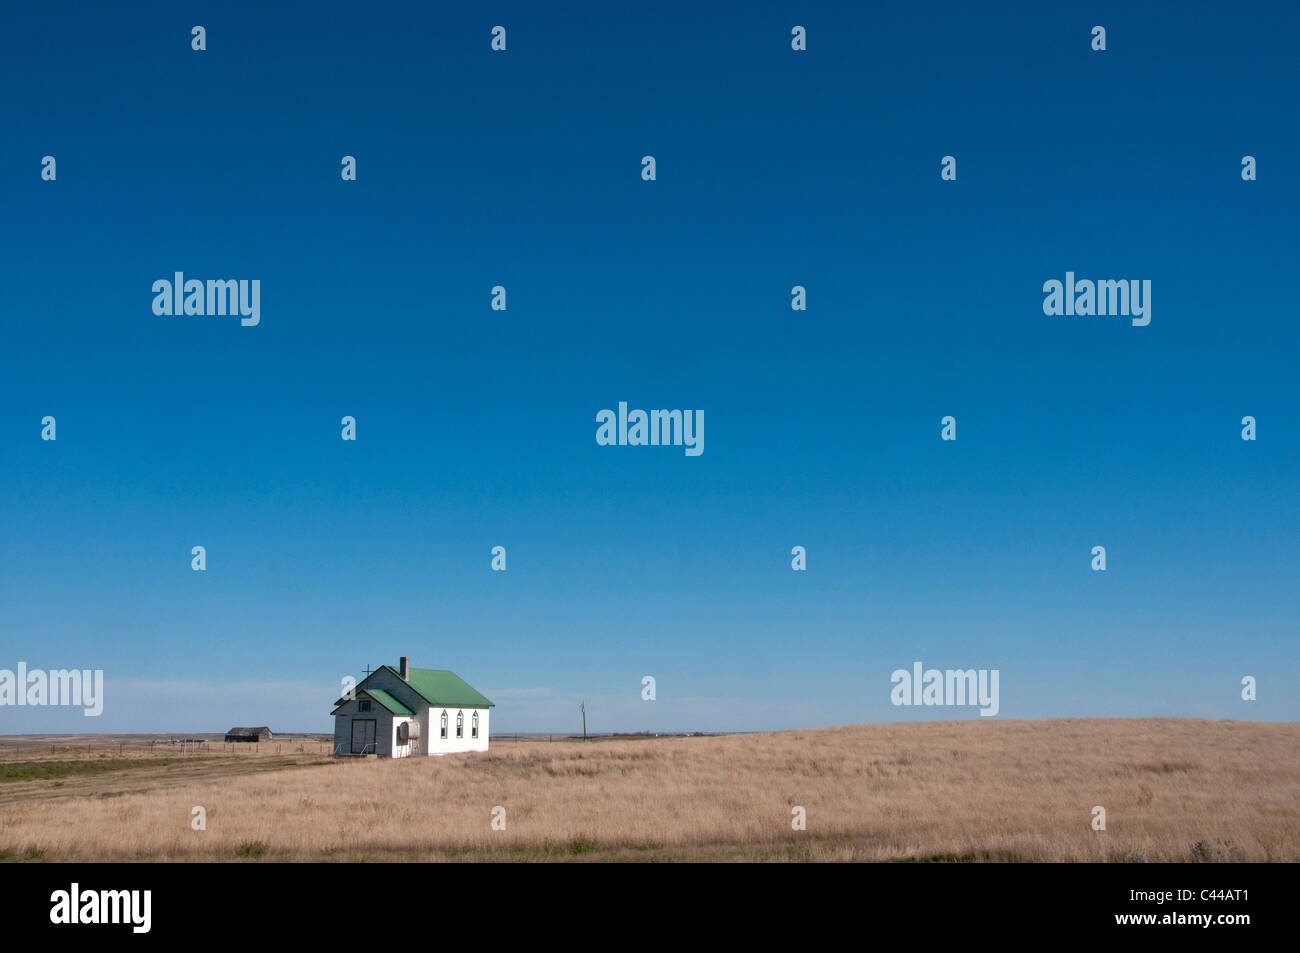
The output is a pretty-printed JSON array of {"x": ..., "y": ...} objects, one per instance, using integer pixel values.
[
  {"x": 404, "y": 711},
  {"x": 249, "y": 734}
]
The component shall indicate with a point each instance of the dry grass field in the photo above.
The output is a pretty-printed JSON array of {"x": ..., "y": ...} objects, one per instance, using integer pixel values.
[{"x": 1173, "y": 790}]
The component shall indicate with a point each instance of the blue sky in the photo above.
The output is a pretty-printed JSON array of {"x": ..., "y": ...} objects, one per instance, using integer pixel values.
[{"x": 476, "y": 428}]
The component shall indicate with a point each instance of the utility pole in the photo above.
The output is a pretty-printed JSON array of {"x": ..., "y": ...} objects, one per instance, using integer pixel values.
[{"x": 583, "y": 706}]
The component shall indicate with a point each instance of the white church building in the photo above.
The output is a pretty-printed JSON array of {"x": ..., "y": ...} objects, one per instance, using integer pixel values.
[{"x": 404, "y": 711}]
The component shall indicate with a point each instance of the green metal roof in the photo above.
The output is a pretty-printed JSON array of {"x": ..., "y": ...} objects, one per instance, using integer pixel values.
[
  {"x": 388, "y": 701},
  {"x": 443, "y": 688},
  {"x": 379, "y": 695}
]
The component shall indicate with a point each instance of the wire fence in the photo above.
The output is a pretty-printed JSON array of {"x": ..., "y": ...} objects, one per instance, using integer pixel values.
[
  {"x": 21, "y": 750},
  {"x": 18, "y": 749}
]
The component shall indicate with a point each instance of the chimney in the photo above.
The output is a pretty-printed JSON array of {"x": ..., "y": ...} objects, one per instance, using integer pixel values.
[{"x": 406, "y": 669}]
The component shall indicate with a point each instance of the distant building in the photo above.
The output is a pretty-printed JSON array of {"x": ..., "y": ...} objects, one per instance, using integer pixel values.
[
  {"x": 398, "y": 712},
  {"x": 249, "y": 734}
]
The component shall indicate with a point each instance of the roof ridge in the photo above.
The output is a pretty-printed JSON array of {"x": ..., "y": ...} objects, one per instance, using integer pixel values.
[{"x": 467, "y": 696}]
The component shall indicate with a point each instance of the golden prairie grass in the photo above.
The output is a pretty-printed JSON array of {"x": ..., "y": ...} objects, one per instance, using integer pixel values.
[{"x": 1173, "y": 790}]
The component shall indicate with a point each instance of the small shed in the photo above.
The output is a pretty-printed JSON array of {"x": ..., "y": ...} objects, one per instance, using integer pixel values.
[{"x": 249, "y": 734}]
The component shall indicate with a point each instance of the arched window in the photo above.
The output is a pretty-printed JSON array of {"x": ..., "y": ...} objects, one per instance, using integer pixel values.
[
  {"x": 474, "y": 725},
  {"x": 444, "y": 724},
  {"x": 460, "y": 724}
]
